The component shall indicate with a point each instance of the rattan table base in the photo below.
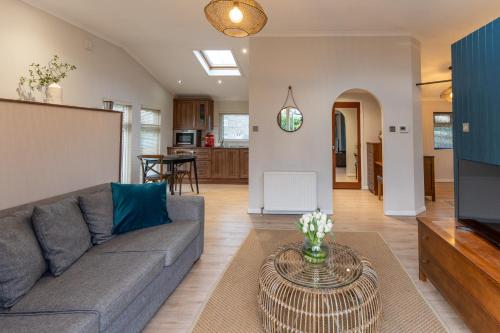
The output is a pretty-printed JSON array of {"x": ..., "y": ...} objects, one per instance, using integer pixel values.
[{"x": 288, "y": 306}]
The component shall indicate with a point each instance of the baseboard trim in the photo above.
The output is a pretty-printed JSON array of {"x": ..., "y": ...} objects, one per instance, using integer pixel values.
[{"x": 405, "y": 212}]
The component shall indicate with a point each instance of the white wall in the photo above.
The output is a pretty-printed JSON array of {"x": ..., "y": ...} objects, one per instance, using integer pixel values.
[
  {"x": 320, "y": 69},
  {"x": 371, "y": 124},
  {"x": 220, "y": 107},
  {"x": 106, "y": 72},
  {"x": 443, "y": 158}
]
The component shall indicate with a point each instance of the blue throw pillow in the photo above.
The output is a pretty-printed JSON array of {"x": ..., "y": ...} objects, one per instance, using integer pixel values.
[{"x": 137, "y": 206}]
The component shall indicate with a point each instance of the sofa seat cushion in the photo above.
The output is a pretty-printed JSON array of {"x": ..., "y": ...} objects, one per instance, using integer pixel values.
[
  {"x": 77, "y": 322},
  {"x": 170, "y": 239},
  {"x": 105, "y": 283}
]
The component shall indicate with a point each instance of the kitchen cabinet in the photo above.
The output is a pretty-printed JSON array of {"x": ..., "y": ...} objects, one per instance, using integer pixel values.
[
  {"x": 225, "y": 163},
  {"x": 193, "y": 114},
  {"x": 220, "y": 165},
  {"x": 244, "y": 163},
  {"x": 184, "y": 114}
]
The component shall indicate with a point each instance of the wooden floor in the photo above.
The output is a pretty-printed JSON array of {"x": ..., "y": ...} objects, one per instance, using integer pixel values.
[{"x": 227, "y": 224}]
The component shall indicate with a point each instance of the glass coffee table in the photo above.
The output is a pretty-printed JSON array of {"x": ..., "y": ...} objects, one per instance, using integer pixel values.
[{"x": 340, "y": 295}]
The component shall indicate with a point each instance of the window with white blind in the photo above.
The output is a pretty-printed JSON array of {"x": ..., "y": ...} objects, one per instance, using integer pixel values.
[
  {"x": 150, "y": 131},
  {"x": 443, "y": 130},
  {"x": 126, "y": 139},
  {"x": 235, "y": 127}
]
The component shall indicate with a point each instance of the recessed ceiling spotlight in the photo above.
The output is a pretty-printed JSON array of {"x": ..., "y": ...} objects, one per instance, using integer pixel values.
[
  {"x": 245, "y": 51},
  {"x": 219, "y": 82},
  {"x": 179, "y": 82}
]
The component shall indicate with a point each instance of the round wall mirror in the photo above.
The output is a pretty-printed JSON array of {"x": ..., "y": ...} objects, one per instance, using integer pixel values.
[{"x": 290, "y": 119}]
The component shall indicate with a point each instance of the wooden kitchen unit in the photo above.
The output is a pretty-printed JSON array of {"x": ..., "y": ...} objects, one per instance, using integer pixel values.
[
  {"x": 465, "y": 268},
  {"x": 220, "y": 165},
  {"x": 193, "y": 114},
  {"x": 374, "y": 165}
]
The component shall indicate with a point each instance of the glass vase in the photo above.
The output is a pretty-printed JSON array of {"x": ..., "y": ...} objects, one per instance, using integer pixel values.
[{"x": 315, "y": 252}]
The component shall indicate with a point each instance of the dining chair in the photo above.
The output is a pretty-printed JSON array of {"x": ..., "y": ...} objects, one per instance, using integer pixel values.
[
  {"x": 153, "y": 172},
  {"x": 183, "y": 170}
]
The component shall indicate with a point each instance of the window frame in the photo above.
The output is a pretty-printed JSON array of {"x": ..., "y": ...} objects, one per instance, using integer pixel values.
[
  {"x": 217, "y": 70},
  {"x": 221, "y": 127},
  {"x": 438, "y": 125},
  {"x": 206, "y": 56},
  {"x": 127, "y": 120},
  {"x": 155, "y": 127}
]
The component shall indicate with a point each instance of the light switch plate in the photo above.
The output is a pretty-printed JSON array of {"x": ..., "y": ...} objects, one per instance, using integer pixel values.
[
  {"x": 392, "y": 129},
  {"x": 255, "y": 128},
  {"x": 465, "y": 127}
]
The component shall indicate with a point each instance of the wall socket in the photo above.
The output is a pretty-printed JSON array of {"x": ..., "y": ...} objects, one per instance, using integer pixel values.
[
  {"x": 403, "y": 129},
  {"x": 255, "y": 128},
  {"x": 392, "y": 129}
]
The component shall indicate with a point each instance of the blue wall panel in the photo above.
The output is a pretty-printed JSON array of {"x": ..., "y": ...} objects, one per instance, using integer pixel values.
[{"x": 476, "y": 95}]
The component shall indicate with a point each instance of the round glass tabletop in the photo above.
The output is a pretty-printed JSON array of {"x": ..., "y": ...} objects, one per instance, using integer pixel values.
[{"x": 342, "y": 267}]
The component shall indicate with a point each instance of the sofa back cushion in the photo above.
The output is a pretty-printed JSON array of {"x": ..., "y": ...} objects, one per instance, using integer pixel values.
[
  {"x": 21, "y": 259},
  {"x": 62, "y": 233},
  {"x": 97, "y": 209},
  {"x": 138, "y": 206}
]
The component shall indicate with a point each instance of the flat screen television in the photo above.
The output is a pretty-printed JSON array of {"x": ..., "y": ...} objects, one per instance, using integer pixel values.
[{"x": 479, "y": 198}]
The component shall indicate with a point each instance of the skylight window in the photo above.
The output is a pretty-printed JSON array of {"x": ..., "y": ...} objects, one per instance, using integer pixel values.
[{"x": 218, "y": 62}]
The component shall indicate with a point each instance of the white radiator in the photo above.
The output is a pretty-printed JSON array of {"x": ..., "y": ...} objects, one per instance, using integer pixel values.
[{"x": 289, "y": 192}]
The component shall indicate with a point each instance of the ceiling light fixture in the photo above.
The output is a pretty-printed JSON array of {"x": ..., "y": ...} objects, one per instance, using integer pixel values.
[
  {"x": 236, "y": 18},
  {"x": 179, "y": 82},
  {"x": 235, "y": 14},
  {"x": 245, "y": 51},
  {"x": 219, "y": 82},
  {"x": 447, "y": 94}
]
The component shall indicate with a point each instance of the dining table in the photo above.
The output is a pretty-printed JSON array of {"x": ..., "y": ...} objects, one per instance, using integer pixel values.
[{"x": 172, "y": 161}]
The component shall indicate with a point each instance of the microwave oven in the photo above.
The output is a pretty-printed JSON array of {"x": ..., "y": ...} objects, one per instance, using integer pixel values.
[{"x": 187, "y": 138}]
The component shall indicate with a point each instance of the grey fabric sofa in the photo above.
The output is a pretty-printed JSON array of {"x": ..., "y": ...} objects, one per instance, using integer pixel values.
[{"x": 116, "y": 286}]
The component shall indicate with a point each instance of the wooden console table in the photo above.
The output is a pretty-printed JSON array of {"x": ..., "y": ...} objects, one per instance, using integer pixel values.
[{"x": 465, "y": 268}]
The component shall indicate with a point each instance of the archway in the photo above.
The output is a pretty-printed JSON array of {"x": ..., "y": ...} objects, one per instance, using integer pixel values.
[{"x": 357, "y": 120}]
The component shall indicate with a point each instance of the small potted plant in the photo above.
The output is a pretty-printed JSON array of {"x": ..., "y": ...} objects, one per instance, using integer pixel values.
[
  {"x": 315, "y": 226},
  {"x": 45, "y": 79}
]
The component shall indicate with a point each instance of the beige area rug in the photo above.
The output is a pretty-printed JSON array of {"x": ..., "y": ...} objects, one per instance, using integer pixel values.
[{"x": 232, "y": 307}]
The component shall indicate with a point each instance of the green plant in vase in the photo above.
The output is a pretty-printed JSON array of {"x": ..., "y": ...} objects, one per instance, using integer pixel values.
[
  {"x": 315, "y": 226},
  {"x": 45, "y": 79}
]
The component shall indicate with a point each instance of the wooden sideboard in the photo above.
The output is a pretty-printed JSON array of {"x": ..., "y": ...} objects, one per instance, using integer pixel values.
[
  {"x": 374, "y": 164},
  {"x": 220, "y": 165},
  {"x": 429, "y": 177},
  {"x": 465, "y": 268}
]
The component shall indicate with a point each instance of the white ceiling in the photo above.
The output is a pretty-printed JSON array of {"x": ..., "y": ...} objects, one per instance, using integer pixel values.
[{"x": 161, "y": 34}]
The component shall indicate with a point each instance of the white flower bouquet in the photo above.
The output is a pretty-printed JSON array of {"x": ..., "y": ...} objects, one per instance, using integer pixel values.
[{"x": 315, "y": 226}]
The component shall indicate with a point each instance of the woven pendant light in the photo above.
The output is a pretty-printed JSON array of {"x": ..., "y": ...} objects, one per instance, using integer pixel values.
[{"x": 236, "y": 18}]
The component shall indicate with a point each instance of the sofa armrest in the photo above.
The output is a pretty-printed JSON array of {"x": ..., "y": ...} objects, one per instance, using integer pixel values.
[{"x": 190, "y": 208}]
